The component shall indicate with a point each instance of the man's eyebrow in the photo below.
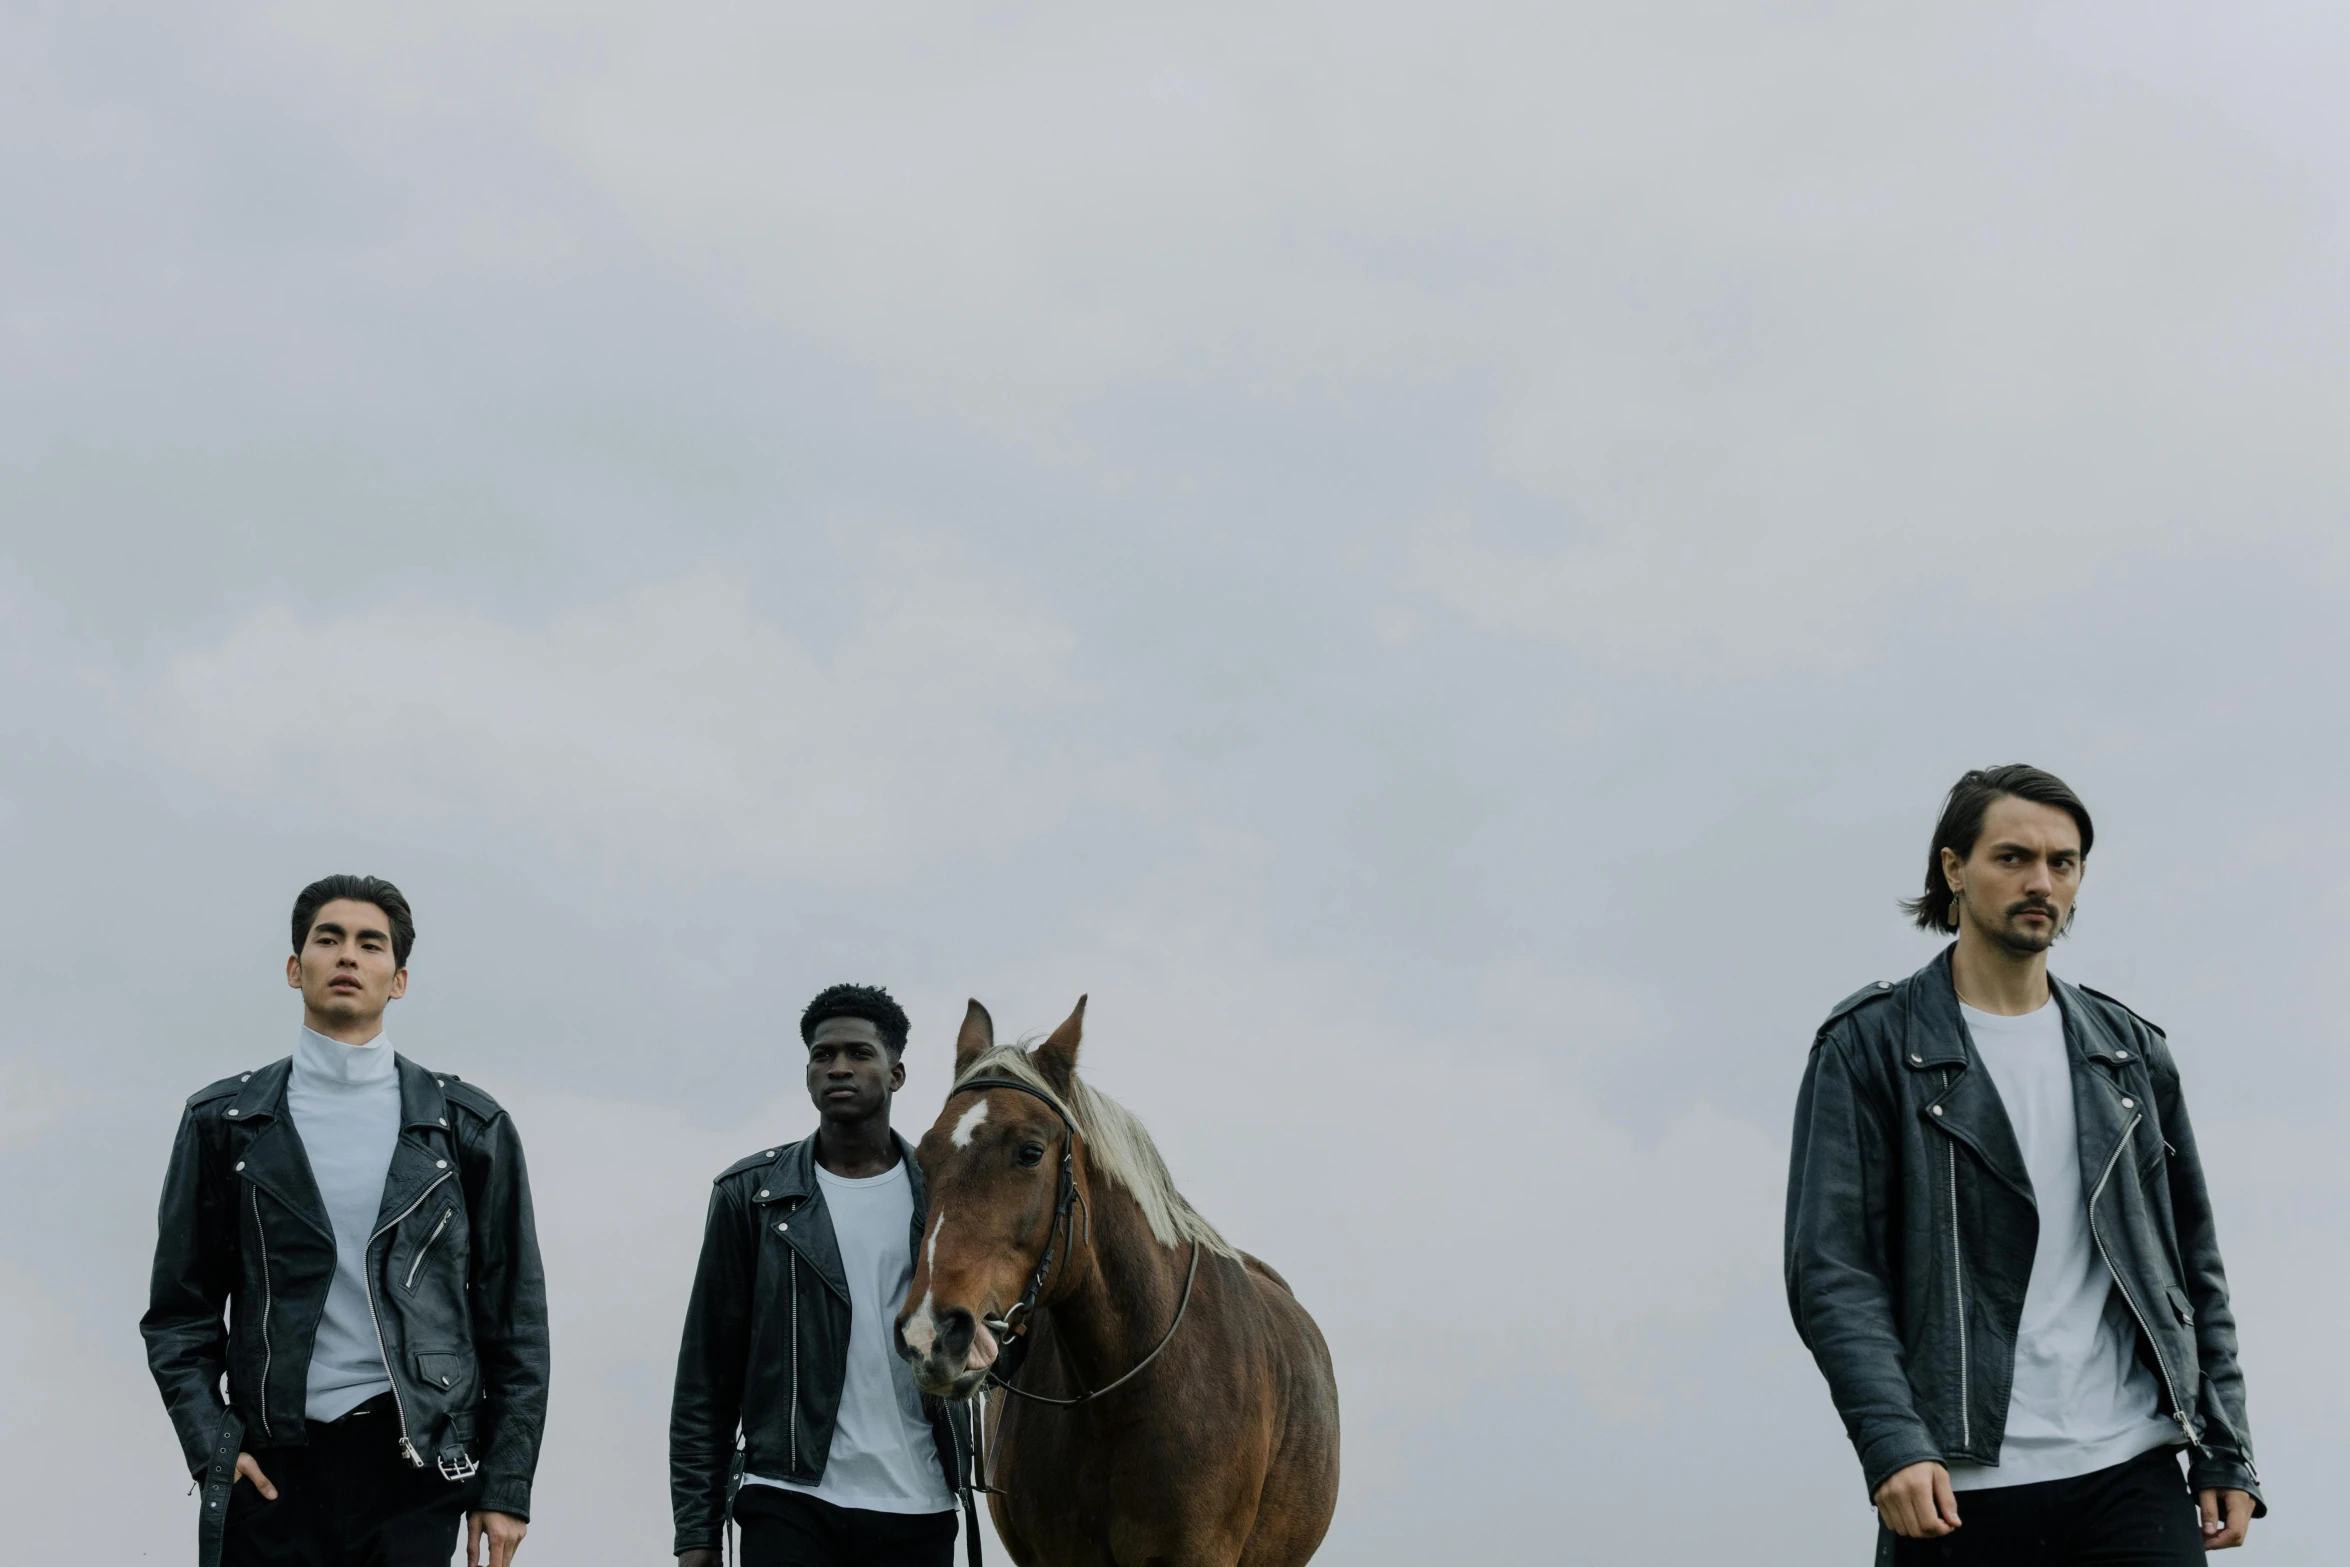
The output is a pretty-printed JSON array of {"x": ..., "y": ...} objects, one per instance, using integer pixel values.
[{"x": 328, "y": 928}]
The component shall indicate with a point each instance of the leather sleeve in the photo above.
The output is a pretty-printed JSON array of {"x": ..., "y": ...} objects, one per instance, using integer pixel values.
[
  {"x": 713, "y": 1356},
  {"x": 2226, "y": 1463},
  {"x": 195, "y": 1271},
  {"x": 508, "y": 1291},
  {"x": 1840, "y": 1193}
]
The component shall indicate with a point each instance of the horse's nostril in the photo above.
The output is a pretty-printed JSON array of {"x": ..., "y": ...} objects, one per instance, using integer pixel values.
[{"x": 956, "y": 1326}]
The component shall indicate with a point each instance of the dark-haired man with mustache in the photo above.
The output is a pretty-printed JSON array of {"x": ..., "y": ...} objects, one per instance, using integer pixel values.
[{"x": 1999, "y": 1244}]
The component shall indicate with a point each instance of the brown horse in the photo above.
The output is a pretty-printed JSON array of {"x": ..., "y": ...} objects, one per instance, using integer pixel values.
[{"x": 1222, "y": 1449}]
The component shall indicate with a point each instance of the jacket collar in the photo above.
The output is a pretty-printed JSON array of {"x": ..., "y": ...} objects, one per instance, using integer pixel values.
[
  {"x": 421, "y": 1101},
  {"x": 274, "y": 1159},
  {"x": 263, "y": 1097}
]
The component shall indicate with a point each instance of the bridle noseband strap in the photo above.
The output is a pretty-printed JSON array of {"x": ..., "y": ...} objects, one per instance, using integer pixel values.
[{"x": 1015, "y": 1321}]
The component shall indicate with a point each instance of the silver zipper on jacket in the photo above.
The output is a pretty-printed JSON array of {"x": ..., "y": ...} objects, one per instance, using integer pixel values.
[
  {"x": 446, "y": 1215},
  {"x": 1966, "y": 1433},
  {"x": 261, "y": 1247},
  {"x": 795, "y": 1360},
  {"x": 2178, "y": 1409},
  {"x": 399, "y": 1405}
]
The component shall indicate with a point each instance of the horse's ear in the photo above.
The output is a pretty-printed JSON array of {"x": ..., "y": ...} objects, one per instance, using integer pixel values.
[
  {"x": 976, "y": 1039},
  {"x": 1056, "y": 1058}
]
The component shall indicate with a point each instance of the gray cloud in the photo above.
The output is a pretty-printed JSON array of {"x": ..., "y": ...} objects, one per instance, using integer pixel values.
[{"x": 1435, "y": 564}]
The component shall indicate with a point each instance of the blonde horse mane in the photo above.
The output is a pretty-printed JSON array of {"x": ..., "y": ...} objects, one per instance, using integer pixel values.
[{"x": 1116, "y": 1143}]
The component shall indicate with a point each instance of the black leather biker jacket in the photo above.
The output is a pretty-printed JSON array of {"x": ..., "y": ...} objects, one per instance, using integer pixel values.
[
  {"x": 1911, "y": 1228},
  {"x": 766, "y": 1345},
  {"x": 453, "y": 1278}
]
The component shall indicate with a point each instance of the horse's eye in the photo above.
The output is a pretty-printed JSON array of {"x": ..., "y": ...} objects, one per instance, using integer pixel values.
[{"x": 1031, "y": 1155}]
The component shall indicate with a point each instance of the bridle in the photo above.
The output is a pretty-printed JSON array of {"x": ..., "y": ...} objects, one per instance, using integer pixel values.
[{"x": 1011, "y": 1328}]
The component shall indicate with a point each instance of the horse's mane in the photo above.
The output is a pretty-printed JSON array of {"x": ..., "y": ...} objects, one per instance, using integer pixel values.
[{"x": 1117, "y": 1144}]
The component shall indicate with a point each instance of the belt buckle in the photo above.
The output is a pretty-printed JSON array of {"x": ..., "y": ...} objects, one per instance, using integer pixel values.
[{"x": 462, "y": 1467}]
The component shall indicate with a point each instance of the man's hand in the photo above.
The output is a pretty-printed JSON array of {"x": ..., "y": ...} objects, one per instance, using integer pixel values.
[
  {"x": 2227, "y": 1517},
  {"x": 504, "y": 1533},
  {"x": 249, "y": 1470},
  {"x": 700, "y": 1557},
  {"x": 1918, "y": 1504}
]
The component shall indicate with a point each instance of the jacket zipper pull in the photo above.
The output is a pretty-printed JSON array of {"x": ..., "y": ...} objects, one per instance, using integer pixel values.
[
  {"x": 408, "y": 1451},
  {"x": 2187, "y": 1429}
]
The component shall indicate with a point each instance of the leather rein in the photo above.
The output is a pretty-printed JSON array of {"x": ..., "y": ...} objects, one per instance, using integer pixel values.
[{"x": 1011, "y": 1329}]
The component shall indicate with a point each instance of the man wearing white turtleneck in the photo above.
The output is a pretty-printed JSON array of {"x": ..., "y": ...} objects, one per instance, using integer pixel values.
[{"x": 345, "y": 1103}]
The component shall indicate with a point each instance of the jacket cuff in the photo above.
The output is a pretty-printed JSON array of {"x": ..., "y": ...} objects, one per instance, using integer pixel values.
[
  {"x": 696, "y": 1540},
  {"x": 508, "y": 1494},
  {"x": 1886, "y": 1456},
  {"x": 2224, "y": 1472}
]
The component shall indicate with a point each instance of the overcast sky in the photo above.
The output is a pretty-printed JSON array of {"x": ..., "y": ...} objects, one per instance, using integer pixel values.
[{"x": 1436, "y": 560}]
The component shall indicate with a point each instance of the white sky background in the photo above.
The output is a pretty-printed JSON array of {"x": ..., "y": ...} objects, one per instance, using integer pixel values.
[{"x": 1436, "y": 561}]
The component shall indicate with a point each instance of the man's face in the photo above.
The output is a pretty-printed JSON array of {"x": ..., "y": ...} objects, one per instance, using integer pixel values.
[
  {"x": 345, "y": 970},
  {"x": 850, "y": 1073},
  {"x": 2019, "y": 884}
]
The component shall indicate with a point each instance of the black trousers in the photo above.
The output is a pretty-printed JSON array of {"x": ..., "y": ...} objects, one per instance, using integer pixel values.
[
  {"x": 786, "y": 1529},
  {"x": 2138, "y": 1514},
  {"x": 347, "y": 1500}
]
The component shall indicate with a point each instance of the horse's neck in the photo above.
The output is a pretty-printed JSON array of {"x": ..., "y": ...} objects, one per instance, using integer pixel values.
[{"x": 1125, "y": 1294}]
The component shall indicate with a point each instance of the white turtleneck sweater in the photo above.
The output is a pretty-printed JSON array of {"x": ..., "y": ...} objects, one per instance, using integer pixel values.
[{"x": 345, "y": 1105}]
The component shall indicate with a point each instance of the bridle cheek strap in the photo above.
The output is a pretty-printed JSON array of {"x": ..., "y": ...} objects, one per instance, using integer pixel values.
[{"x": 1012, "y": 1327}]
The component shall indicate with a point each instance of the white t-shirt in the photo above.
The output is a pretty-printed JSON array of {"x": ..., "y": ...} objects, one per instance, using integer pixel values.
[
  {"x": 2082, "y": 1401},
  {"x": 883, "y": 1458}
]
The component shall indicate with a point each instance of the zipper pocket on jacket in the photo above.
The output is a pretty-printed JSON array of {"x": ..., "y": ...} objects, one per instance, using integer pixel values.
[
  {"x": 447, "y": 1214},
  {"x": 2179, "y": 1410},
  {"x": 261, "y": 1249},
  {"x": 399, "y": 1404}
]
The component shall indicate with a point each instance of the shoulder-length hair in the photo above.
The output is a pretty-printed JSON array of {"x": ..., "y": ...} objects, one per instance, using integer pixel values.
[{"x": 1963, "y": 810}]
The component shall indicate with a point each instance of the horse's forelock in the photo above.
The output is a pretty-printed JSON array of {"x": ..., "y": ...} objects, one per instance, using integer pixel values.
[{"x": 1117, "y": 1144}]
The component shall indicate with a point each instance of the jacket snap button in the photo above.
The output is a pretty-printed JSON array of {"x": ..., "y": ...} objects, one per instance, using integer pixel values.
[
  {"x": 240, "y": 1164},
  {"x": 2129, "y": 1104},
  {"x": 762, "y": 1194},
  {"x": 1916, "y": 1060},
  {"x": 1937, "y": 1109},
  {"x": 2121, "y": 1055},
  {"x": 783, "y": 1229},
  {"x": 232, "y": 1109},
  {"x": 769, "y": 1154},
  {"x": 440, "y": 1164},
  {"x": 1884, "y": 984},
  {"x": 247, "y": 1078},
  {"x": 444, "y": 1120}
]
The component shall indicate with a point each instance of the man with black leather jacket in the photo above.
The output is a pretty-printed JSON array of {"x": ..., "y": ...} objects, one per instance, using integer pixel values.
[
  {"x": 365, "y": 1226},
  {"x": 1999, "y": 1248},
  {"x": 794, "y": 1414}
]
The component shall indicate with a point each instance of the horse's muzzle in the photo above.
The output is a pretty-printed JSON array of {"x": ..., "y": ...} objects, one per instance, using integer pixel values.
[{"x": 950, "y": 1350}]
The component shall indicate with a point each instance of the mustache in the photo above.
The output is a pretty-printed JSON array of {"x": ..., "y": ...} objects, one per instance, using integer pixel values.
[{"x": 2042, "y": 904}]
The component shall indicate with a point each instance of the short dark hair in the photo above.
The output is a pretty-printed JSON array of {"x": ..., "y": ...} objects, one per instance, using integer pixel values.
[
  {"x": 359, "y": 889},
  {"x": 1963, "y": 810},
  {"x": 870, "y": 1002}
]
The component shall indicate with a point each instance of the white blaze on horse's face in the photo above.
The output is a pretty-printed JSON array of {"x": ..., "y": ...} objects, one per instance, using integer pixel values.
[
  {"x": 921, "y": 1329},
  {"x": 987, "y": 1160}
]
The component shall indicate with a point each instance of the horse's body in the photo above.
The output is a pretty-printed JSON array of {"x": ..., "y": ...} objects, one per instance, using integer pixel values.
[{"x": 1223, "y": 1450}]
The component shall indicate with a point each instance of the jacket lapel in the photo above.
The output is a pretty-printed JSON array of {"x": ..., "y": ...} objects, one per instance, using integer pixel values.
[
  {"x": 421, "y": 1159},
  {"x": 790, "y": 1186},
  {"x": 1957, "y": 1095},
  {"x": 272, "y": 1157},
  {"x": 2105, "y": 1104}
]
